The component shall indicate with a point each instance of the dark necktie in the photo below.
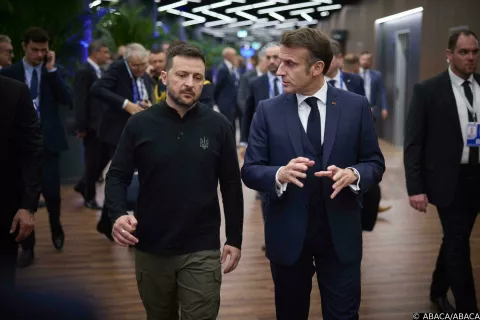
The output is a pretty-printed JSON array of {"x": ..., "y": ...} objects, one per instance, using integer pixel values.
[
  {"x": 275, "y": 87},
  {"x": 34, "y": 85},
  {"x": 332, "y": 82},
  {"x": 314, "y": 127},
  {"x": 473, "y": 154}
]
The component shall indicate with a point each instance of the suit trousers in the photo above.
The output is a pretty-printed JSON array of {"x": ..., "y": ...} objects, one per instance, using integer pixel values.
[
  {"x": 104, "y": 219},
  {"x": 371, "y": 202},
  {"x": 96, "y": 157},
  {"x": 51, "y": 194},
  {"x": 339, "y": 284},
  {"x": 8, "y": 258},
  {"x": 454, "y": 267}
]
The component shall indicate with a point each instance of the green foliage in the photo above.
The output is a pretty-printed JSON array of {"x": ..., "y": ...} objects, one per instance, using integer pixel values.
[
  {"x": 126, "y": 25},
  {"x": 211, "y": 50},
  {"x": 60, "y": 18}
]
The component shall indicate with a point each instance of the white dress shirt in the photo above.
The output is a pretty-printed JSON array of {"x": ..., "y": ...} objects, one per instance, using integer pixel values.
[
  {"x": 303, "y": 113},
  {"x": 367, "y": 80},
  {"x": 463, "y": 105},
  {"x": 96, "y": 67},
  {"x": 271, "y": 83},
  {"x": 339, "y": 83},
  {"x": 142, "y": 89}
]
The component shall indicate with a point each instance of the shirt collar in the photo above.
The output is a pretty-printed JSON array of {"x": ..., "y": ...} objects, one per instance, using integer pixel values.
[
  {"x": 320, "y": 95},
  {"x": 456, "y": 80},
  {"x": 30, "y": 68},
  {"x": 271, "y": 77},
  {"x": 94, "y": 65},
  {"x": 228, "y": 64},
  {"x": 337, "y": 78}
]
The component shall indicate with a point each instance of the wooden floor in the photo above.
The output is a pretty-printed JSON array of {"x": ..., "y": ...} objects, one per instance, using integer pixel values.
[{"x": 399, "y": 256}]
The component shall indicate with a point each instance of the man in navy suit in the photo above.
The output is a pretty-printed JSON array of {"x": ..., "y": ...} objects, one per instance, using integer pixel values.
[
  {"x": 48, "y": 90},
  {"x": 340, "y": 79},
  {"x": 374, "y": 86},
  {"x": 225, "y": 92},
  {"x": 314, "y": 151},
  {"x": 354, "y": 83}
]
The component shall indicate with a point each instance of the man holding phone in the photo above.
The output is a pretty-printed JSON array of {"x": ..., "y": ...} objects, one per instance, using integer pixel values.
[{"x": 48, "y": 90}]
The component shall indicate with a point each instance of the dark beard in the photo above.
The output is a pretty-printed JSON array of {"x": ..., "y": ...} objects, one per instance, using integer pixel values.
[{"x": 179, "y": 102}]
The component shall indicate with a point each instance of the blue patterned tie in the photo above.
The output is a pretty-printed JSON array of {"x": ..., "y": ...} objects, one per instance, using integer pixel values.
[{"x": 34, "y": 91}]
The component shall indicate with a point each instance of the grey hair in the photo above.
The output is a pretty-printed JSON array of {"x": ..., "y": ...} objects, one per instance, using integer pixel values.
[
  {"x": 266, "y": 47},
  {"x": 5, "y": 38},
  {"x": 95, "y": 46},
  {"x": 136, "y": 50}
]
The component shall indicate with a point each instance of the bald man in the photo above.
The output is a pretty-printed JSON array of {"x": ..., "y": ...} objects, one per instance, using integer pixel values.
[{"x": 225, "y": 93}]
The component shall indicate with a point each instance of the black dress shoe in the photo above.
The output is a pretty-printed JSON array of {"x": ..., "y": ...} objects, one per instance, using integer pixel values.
[
  {"x": 80, "y": 188},
  {"x": 25, "y": 259},
  {"x": 442, "y": 304},
  {"x": 58, "y": 238},
  {"x": 92, "y": 204},
  {"x": 104, "y": 229}
]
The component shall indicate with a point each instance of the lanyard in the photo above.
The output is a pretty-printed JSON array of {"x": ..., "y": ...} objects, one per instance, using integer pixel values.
[
  {"x": 341, "y": 79},
  {"x": 136, "y": 95}
]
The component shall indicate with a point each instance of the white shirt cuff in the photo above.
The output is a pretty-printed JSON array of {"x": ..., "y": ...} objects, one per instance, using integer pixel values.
[
  {"x": 279, "y": 187},
  {"x": 52, "y": 70},
  {"x": 125, "y": 103},
  {"x": 355, "y": 187},
  {"x": 243, "y": 144}
]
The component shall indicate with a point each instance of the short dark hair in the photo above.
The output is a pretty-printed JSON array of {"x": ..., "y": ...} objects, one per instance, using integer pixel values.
[
  {"x": 452, "y": 41},
  {"x": 336, "y": 47},
  {"x": 365, "y": 52},
  {"x": 35, "y": 34},
  {"x": 315, "y": 41},
  {"x": 183, "y": 50},
  {"x": 95, "y": 46},
  {"x": 156, "y": 51}
]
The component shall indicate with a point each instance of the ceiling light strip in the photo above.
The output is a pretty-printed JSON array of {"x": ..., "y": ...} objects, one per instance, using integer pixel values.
[
  {"x": 277, "y": 16},
  {"x": 251, "y": 6},
  {"x": 294, "y": 6},
  {"x": 399, "y": 15},
  {"x": 306, "y": 16},
  {"x": 298, "y": 12},
  {"x": 171, "y": 6},
  {"x": 218, "y": 15},
  {"x": 218, "y": 23},
  {"x": 246, "y": 15},
  {"x": 187, "y": 15},
  {"x": 332, "y": 7},
  {"x": 212, "y": 6}
]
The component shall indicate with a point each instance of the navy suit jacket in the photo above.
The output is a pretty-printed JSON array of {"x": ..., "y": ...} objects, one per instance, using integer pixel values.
[
  {"x": 350, "y": 141},
  {"x": 225, "y": 92},
  {"x": 54, "y": 91},
  {"x": 378, "y": 94},
  {"x": 354, "y": 83},
  {"x": 258, "y": 91}
]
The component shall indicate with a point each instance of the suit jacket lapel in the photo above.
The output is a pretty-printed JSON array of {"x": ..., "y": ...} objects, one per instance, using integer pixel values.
[
  {"x": 265, "y": 88},
  {"x": 451, "y": 111},
  {"x": 331, "y": 123},
  {"x": 293, "y": 124}
]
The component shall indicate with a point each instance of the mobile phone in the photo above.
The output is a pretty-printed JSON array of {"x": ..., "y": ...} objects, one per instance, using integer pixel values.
[{"x": 46, "y": 59}]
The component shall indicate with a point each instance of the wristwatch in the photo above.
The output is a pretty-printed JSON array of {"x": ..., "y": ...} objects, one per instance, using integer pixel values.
[{"x": 355, "y": 173}]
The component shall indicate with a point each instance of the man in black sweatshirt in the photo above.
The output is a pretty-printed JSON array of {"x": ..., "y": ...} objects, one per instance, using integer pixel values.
[{"x": 181, "y": 149}]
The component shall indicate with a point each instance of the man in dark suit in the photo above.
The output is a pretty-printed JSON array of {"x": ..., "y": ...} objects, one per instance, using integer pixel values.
[
  {"x": 125, "y": 89},
  {"x": 244, "y": 83},
  {"x": 314, "y": 151},
  {"x": 88, "y": 112},
  {"x": 261, "y": 88},
  {"x": 48, "y": 90},
  {"x": 443, "y": 169},
  {"x": 21, "y": 145},
  {"x": 374, "y": 86},
  {"x": 225, "y": 92},
  {"x": 354, "y": 83}
]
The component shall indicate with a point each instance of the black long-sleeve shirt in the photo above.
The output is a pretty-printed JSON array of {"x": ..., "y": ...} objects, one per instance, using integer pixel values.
[{"x": 180, "y": 162}]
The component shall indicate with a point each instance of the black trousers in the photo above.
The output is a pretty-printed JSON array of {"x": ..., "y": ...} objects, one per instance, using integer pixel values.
[
  {"x": 454, "y": 267},
  {"x": 371, "y": 201},
  {"x": 339, "y": 284},
  {"x": 8, "y": 258},
  {"x": 104, "y": 219},
  {"x": 96, "y": 158},
  {"x": 51, "y": 194}
]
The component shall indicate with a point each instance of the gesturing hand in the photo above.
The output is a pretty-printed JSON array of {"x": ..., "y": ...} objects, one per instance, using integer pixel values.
[
  {"x": 25, "y": 223},
  {"x": 123, "y": 229},
  {"x": 342, "y": 178},
  {"x": 234, "y": 254},
  {"x": 295, "y": 169}
]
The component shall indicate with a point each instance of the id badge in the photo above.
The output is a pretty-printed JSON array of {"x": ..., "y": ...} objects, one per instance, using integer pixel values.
[{"x": 473, "y": 134}]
